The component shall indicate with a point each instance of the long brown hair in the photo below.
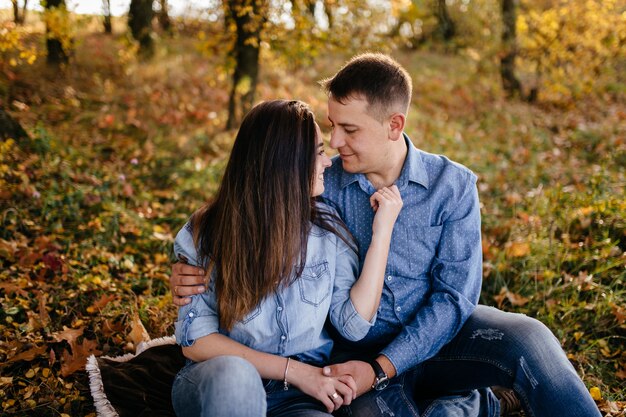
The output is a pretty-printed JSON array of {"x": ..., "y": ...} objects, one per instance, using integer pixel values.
[{"x": 254, "y": 234}]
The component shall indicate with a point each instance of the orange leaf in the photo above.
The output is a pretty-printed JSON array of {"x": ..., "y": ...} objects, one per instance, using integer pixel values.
[
  {"x": 138, "y": 333},
  {"x": 69, "y": 335},
  {"x": 517, "y": 249},
  {"x": 29, "y": 355},
  {"x": 103, "y": 301},
  {"x": 619, "y": 313},
  {"x": 75, "y": 361},
  {"x": 516, "y": 299}
]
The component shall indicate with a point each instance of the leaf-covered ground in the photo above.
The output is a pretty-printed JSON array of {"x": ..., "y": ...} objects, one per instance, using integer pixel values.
[{"x": 121, "y": 152}]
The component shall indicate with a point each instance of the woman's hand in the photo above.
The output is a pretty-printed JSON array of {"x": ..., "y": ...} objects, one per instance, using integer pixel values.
[
  {"x": 333, "y": 392},
  {"x": 387, "y": 204}
]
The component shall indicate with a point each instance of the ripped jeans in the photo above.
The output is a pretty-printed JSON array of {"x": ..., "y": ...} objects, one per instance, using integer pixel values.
[{"x": 492, "y": 348}]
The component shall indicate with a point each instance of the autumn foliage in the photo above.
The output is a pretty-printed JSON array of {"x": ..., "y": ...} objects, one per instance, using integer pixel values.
[{"x": 121, "y": 150}]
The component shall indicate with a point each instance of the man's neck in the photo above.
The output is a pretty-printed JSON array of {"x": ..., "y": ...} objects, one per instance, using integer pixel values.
[{"x": 391, "y": 168}]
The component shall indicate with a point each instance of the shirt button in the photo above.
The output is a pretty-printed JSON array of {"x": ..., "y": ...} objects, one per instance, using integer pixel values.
[
  {"x": 191, "y": 314},
  {"x": 279, "y": 308},
  {"x": 283, "y": 337},
  {"x": 389, "y": 278},
  {"x": 398, "y": 308}
]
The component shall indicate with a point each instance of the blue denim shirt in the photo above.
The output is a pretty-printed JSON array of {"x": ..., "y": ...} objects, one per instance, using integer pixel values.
[
  {"x": 434, "y": 269},
  {"x": 291, "y": 321}
]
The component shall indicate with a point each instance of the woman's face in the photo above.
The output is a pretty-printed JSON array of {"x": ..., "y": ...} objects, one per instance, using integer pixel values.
[{"x": 322, "y": 161}]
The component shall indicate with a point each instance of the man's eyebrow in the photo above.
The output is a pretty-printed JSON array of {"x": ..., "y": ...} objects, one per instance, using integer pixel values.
[{"x": 342, "y": 124}]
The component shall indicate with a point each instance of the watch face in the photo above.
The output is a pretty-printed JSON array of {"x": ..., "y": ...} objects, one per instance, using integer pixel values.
[{"x": 382, "y": 384}]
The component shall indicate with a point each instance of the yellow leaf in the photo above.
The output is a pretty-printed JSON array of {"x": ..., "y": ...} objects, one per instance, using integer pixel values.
[
  {"x": 578, "y": 335},
  {"x": 45, "y": 372},
  {"x": 595, "y": 393},
  {"x": 30, "y": 373},
  {"x": 518, "y": 249}
]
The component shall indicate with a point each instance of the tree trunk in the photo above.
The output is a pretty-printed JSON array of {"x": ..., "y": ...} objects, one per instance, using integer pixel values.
[
  {"x": 23, "y": 18},
  {"x": 140, "y": 22},
  {"x": 16, "y": 12},
  {"x": 19, "y": 17},
  {"x": 106, "y": 9},
  {"x": 164, "y": 16},
  {"x": 328, "y": 10},
  {"x": 56, "y": 54},
  {"x": 10, "y": 128},
  {"x": 249, "y": 17},
  {"x": 510, "y": 83},
  {"x": 446, "y": 27}
]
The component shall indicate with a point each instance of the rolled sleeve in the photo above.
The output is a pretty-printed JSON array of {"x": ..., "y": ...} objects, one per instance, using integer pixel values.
[
  {"x": 184, "y": 246},
  {"x": 197, "y": 319},
  {"x": 456, "y": 275},
  {"x": 343, "y": 315}
]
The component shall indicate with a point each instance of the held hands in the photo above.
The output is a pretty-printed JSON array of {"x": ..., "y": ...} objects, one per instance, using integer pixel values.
[
  {"x": 333, "y": 391},
  {"x": 361, "y": 372},
  {"x": 186, "y": 280},
  {"x": 387, "y": 204}
]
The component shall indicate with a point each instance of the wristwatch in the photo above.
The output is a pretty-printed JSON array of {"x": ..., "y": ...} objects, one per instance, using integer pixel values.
[{"x": 381, "y": 379}]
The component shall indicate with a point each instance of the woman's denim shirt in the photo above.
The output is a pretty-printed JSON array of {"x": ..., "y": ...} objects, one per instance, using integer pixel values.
[{"x": 291, "y": 321}]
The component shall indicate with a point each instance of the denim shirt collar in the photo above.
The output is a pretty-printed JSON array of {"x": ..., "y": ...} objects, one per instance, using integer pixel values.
[{"x": 413, "y": 171}]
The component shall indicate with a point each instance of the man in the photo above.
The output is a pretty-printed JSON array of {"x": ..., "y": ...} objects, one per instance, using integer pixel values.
[{"x": 430, "y": 339}]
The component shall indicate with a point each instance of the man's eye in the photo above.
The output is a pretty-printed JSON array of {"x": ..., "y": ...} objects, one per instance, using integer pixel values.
[{"x": 350, "y": 131}]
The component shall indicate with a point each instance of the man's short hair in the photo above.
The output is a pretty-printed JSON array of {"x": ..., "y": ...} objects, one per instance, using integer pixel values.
[{"x": 378, "y": 78}]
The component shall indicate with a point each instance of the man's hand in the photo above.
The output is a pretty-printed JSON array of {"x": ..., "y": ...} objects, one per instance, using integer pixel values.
[
  {"x": 361, "y": 372},
  {"x": 186, "y": 280}
]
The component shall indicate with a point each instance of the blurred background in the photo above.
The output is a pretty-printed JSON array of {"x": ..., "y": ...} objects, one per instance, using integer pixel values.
[{"x": 117, "y": 117}]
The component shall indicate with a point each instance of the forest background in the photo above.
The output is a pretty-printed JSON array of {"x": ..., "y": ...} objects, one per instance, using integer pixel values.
[{"x": 114, "y": 129}]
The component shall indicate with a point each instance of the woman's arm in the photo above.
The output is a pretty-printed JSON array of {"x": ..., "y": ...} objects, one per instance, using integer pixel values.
[
  {"x": 366, "y": 291},
  {"x": 308, "y": 379}
]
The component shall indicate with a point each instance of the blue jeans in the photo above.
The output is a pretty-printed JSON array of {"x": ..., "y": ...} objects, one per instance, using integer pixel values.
[
  {"x": 229, "y": 386},
  {"x": 492, "y": 348}
]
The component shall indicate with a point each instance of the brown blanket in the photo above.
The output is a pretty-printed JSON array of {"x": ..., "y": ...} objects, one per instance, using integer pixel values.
[{"x": 136, "y": 385}]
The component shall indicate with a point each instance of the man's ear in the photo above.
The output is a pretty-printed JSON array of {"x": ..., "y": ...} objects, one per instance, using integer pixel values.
[{"x": 396, "y": 126}]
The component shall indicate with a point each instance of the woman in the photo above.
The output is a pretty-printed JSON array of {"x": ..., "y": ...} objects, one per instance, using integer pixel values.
[{"x": 278, "y": 262}]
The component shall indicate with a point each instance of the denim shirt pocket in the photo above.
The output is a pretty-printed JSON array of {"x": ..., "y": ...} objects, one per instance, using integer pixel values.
[
  {"x": 252, "y": 315},
  {"x": 422, "y": 246},
  {"x": 315, "y": 283}
]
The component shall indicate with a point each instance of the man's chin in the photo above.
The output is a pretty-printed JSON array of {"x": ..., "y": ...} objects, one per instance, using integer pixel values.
[{"x": 350, "y": 168}]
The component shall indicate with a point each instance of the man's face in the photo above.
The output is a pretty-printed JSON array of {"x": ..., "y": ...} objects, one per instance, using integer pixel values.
[{"x": 362, "y": 141}]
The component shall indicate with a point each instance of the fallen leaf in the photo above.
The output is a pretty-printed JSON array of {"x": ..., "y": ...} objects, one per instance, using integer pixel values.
[
  {"x": 69, "y": 335},
  {"x": 517, "y": 249},
  {"x": 75, "y": 361},
  {"x": 513, "y": 298},
  {"x": 595, "y": 393},
  {"x": 102, "y": 302},
  {"x": 29, "y": 355},
  {"x": 138, "y": 332},
  {"x": 43, "y": 312},
  {"x": 516, "y": 299},
  {"x": 619, "y": 313}
]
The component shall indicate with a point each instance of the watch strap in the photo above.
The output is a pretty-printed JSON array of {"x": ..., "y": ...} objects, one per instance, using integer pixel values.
[{"x": 379, "y": 373}]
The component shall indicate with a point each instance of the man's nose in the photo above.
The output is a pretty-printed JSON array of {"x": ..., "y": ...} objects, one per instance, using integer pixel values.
[{"x": 336, "y": 139}]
